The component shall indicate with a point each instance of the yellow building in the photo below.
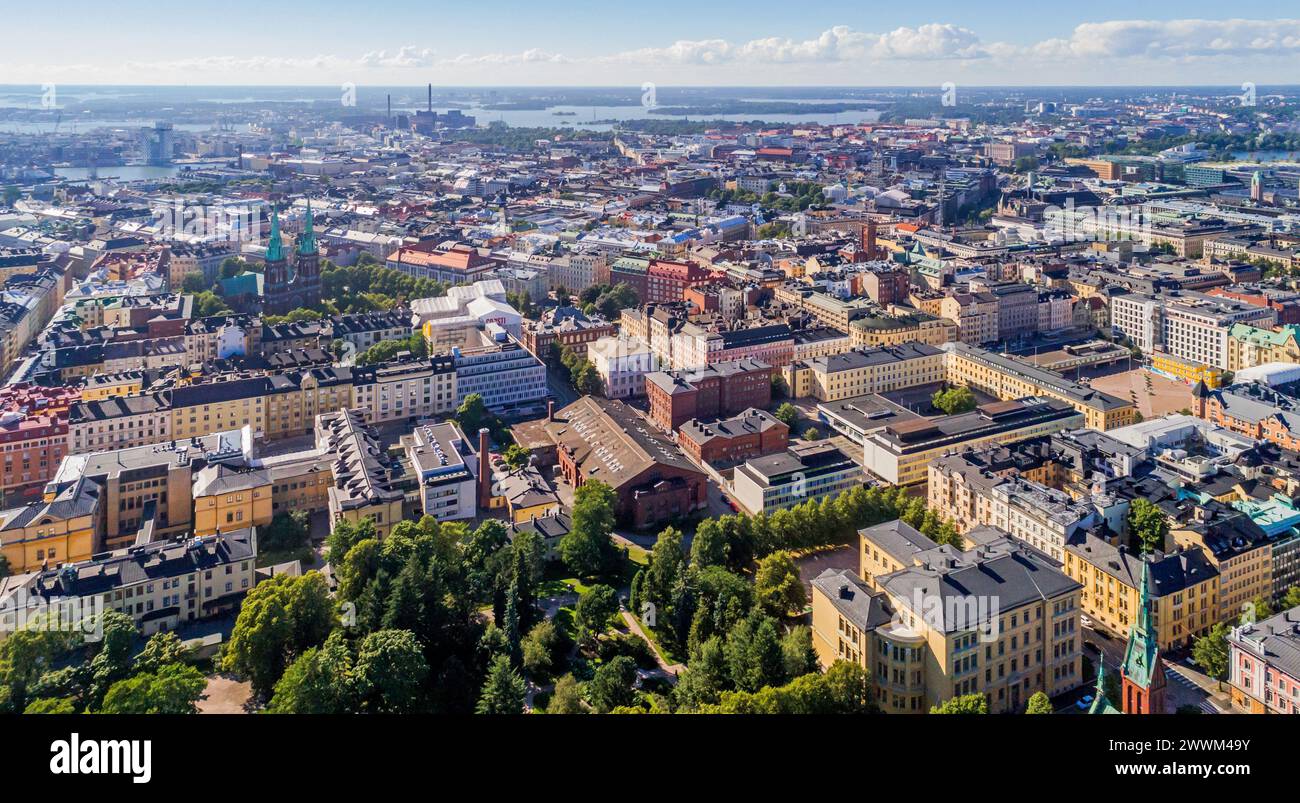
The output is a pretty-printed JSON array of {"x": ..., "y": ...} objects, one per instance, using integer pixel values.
[
  {"x": 932, "y": 630},
  {"x": 902, "y": 327},
  {"x": 1010, "y": 378},
  {"x": 59, "y": 529},
  {"x": 1189, "y": 371},
  {"x": 863, "y": 371},
  {"x": 231, "y": 498},
  {"x": 524, "y": 494},
  {"x": 1244, "y": 562},
  {"x": 107, "y": 386},
  {"x": 363, "y": 484},
  {"x": 1184, "y": 590},
  {"x": 1249, "y": 346}
]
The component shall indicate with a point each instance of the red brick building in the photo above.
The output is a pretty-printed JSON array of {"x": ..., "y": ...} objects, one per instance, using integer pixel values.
[
  {"x": 33, "y": 438},
  {"x": 597, "y": 439},
  {"x": 667, "y": 280},
  {"x": 886, "y": 285},
  {"x": 753, "y": 433},
  {"x": 721, "y": 389}
]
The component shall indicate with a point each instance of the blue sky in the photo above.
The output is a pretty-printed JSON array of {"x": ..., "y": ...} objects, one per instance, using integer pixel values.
[{"x": 665, "y": 41}]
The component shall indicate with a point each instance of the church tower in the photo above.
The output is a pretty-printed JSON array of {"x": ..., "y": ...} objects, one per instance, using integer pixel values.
[
  {"x": 1143, "y": 673},
  {"x": 275, "y": 279},
  {"x": 306, "y": 274}
]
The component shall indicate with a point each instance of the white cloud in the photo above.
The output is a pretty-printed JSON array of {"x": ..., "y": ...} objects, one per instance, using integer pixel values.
[
  {"x": 1175, "y": 39},
  {"x": 1110, "y": 51}
]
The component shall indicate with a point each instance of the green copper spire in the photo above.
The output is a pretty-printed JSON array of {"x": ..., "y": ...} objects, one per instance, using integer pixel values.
[
  {"x": 1143, "y": 651},
  {"x": 1100, "y": 705},
  {"x": 275, "y": 246},
  {"x": 307, "y": 245}
]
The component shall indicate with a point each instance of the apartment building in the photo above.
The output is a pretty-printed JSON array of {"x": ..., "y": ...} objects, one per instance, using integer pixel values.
[
  {"x": 160, "y": 585},
  {"x": 1183, "y": 590},
  {"x": 405, "y": 389},
  {"x": 622, "y": 364},
  {"x": 866, "y": 370},
  {"x": 1264, "y": 665},
  {"x": 997, "y": 620},
  {"x": 725, "y": 388},
  {"x": 1193, "y": 326},
  {"x": 975, "y": 313},
  {"x": 1249, "y": 346},
  {"x": 752, "y": 433},
  {"x": 60, "y": 528},
  {"x": 446, "y": 468},
  {"x": 364, "y": 478},
  {"x": 799, "y": 473},
  {"x": 1007, "y": 377},
  {"x": 900, "y": 453}
]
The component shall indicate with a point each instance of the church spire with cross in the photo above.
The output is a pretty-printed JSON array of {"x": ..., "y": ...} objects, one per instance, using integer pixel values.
[{"x": 1143, "y": 672}]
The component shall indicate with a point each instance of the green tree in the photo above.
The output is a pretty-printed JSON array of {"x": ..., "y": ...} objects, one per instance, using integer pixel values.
[
  {"x": 566, "y": 698},
  {"x": 472, "y": 415},
  {"x": 1039, "y": 704},
  {"x": 280, "y": 619},
  {"x": 586, "y": 548},
  {"x": 287, "y": 531},
  {"x": 540, "y": 647},
  {"x": 612, "y": 685},
  {"x": 787, "y": 414},
  {"x": 1148, "y": 524},
  {"x": 320, "y": 681},
  {"x": 812, "y": 434},
  {"x": 595, "y": 608},
  {"x": 390, "y": 673},
  {"x": 161, "y": 649},
  {"x": 51, "y": 705},
  {"x": 193, "y": 283},
  {"x": 777, "y": 586},
  {"x": 515, "y": 457},
  {"x": 754, "y": 657},
  {"x": 1210, "y": 652},
  {"x": 964, "y": 704},
  {"x": 173, "y": 689},
  {"x": 503, "y": 691},
  {"x": 1289, "y": 600},
  {"x": 957, "y": 399}
]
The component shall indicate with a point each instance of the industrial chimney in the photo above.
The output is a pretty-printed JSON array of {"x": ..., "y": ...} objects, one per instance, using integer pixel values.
[
  {"x": 484, "y": 469},
  {"x": 550, "y": 409},
  {"x": 430, "y": 97}
]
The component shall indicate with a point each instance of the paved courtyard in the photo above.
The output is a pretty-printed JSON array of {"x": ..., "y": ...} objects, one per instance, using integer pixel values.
[{"x": 1155, "y": 395}]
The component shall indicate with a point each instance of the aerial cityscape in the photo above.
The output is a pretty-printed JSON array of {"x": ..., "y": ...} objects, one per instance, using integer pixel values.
[{"x": 733, "y": 366}]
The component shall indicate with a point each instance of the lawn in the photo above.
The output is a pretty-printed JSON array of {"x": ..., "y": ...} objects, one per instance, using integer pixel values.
[{"x": 304, "y": 554}]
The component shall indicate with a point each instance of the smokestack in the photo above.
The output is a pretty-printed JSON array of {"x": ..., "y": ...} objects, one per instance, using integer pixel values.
[
  {"x": 390, "y": 107},
  {"x": 550, "y": 409},
  {"x": 430, "y": 97},
  {"x": 484, "y": 469}
]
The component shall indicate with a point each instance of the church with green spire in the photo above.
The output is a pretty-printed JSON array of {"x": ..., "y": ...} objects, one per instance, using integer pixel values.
[
  {"x": 282, "y": 292},
  {"x": 1143, "y": 673}
]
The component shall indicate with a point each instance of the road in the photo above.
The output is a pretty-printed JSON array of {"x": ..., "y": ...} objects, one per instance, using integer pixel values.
[
  {"x": 557, "y": 380},
  {"x": 1185, "y": 686}
]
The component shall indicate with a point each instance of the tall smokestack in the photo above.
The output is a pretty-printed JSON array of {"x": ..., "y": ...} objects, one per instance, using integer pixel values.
[
  {"x": 430, "y": 97},
  {"x": 390, "y": 107},
  {"x": 550, "y": 409},
  {"x": 484, "y": 469}
]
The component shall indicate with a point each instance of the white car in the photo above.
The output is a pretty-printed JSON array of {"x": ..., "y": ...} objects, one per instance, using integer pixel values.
[{"x": 1086, "y": 622}]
